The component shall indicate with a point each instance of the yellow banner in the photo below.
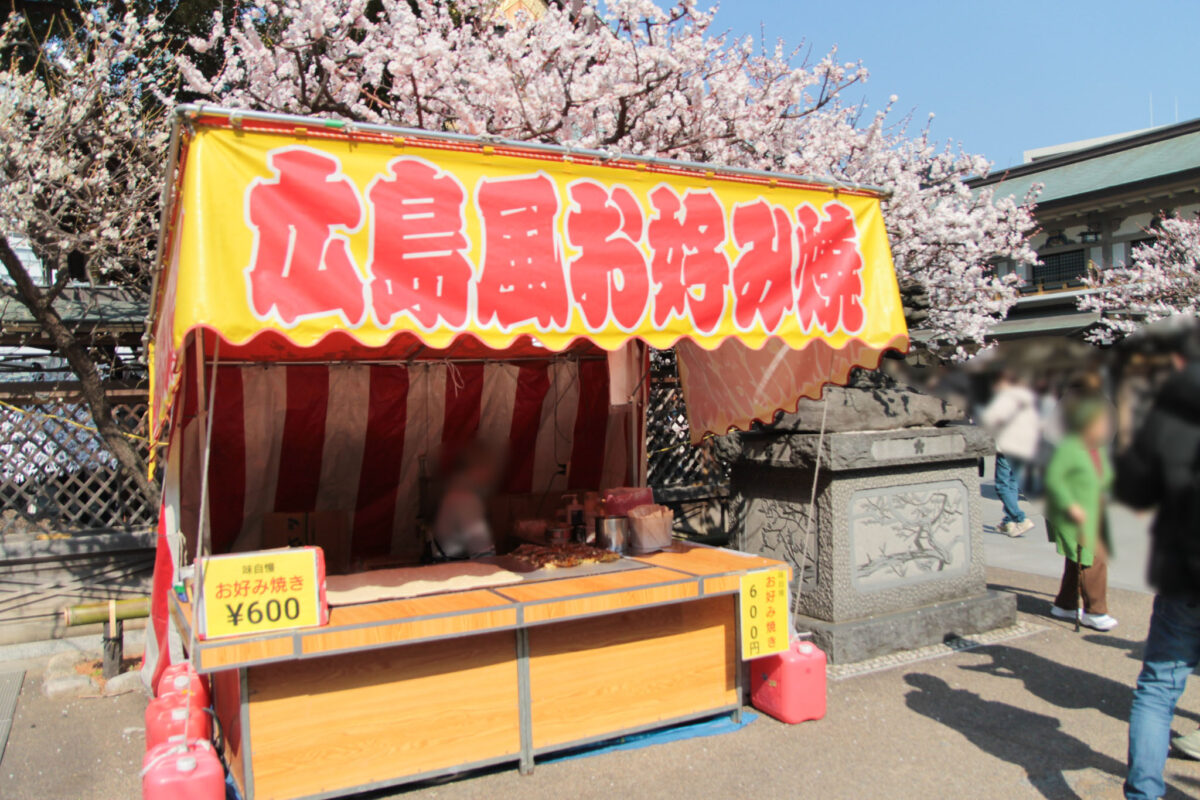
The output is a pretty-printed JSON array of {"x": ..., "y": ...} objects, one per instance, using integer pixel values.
[
  {"x": 305, "y": 236},
  {"x": 258, "y": 592},
  {"x": 764, "y": 613}
]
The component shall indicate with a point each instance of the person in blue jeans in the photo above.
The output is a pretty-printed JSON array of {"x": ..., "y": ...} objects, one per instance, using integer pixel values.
[
  {"x": 1162, "y": 468},
  {"x": 1012, "y": 418}
]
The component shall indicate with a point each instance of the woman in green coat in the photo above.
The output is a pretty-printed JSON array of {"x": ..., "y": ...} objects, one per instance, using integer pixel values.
[{"x": 1078, "y": 479}]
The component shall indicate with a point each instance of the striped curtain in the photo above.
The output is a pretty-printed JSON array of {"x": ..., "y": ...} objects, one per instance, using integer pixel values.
[{"x": 351, "y": 438}]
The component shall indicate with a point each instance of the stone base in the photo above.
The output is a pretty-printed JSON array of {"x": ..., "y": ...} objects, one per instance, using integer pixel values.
[{"x": 861, "y": 639}]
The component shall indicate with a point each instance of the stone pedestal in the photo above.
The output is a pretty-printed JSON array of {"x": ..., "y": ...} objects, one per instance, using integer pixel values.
[{"x": 892, "y": 557}]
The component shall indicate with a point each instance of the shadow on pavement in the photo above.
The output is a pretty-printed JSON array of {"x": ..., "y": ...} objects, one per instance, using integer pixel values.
[
  {"x": 1065, "y": 686},
  {"x": 1133, "y": 648},
  {"x": 1032, "y": 741},
  {"x": 1028, "y": 602},
  {"x": 1055, "y": 683}
]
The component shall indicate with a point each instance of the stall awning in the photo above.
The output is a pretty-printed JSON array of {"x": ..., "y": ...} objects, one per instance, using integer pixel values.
[{"x": 296, "y": 239}]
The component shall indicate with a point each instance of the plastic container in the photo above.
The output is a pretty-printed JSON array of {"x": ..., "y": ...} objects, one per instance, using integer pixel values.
[
  {"x": 183, "y": 679},
  {"x": 173, "y": 771},
  {"x": 620, "y": 501},
  {"x": 790, "y": 686},
  {"x": 168, "y": 715}
]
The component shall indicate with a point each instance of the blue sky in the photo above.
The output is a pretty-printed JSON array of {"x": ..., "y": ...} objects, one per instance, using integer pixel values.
[{"x": 1004, "y": 76}]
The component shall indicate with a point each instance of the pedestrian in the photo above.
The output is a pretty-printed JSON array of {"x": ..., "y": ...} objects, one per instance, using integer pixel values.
[
  {"x": 1012, "y": 418},
  {"x": 1078, "y": 479},
  {"x": 1051, "y": 433},
  {"x": 1162, "y": 468}
]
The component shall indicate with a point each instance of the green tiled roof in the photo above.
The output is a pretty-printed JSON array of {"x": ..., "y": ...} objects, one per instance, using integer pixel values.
[{"x": 1158, "y": 153}]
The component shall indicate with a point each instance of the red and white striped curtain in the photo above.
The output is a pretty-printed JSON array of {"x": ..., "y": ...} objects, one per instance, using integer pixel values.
[{"x": 351, "y": 438}]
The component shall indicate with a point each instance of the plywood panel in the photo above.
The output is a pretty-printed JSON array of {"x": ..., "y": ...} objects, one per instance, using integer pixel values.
[
  {"x": 591, "y": 584},
  {"x": 609, "y": 603},
  {"x": 606, "y": 674},
  {"x": 700, "y": 560},
  {"x": 414, "y": 607},
  {"x": 218, "y": 656},
  {"x": 333, "y": 723},
  {"x": 400, "y": 632},
  {"x": 724, "y": 583}
]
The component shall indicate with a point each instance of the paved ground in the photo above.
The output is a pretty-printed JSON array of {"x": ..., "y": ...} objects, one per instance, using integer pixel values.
[
  {"x": 77, "y": 749},
  {"x": 1043, "y": 716}
]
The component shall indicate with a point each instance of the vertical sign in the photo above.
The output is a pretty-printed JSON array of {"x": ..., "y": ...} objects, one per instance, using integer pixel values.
[{"x": 764, "y": 612}]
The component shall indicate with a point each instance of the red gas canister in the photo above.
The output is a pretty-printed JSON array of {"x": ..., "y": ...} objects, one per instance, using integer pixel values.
[
  {"x": 183, "y": 679},
  {"x": 168, "y": 715},
  {"x": 172, "y": 771},
  {"x": 790, "y": 686}
]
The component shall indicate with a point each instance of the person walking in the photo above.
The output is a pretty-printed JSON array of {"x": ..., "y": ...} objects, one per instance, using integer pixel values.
[
  {"x": 1162, "y": 468},
  {"x": 1012, "y": 418},
  {"x": 1078, "y": 479}
]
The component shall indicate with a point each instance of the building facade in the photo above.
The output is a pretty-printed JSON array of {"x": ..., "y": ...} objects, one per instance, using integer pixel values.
[{"x": 1099, "y": 200}]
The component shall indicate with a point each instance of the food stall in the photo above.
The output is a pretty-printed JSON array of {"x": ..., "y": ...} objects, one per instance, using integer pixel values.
[{"x": 340, "y": 309}]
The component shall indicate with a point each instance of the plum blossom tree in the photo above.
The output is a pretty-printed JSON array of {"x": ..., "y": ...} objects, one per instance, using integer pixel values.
[
  {"x": 82, "y": 145},
  {"x": 1163, "y": 280},
  {"x": 630, "y": 77}
]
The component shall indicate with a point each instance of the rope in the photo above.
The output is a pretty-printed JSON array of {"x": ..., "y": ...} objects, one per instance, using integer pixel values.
[
  {"x": 812, "y": 500},
  {"x": 74, "y": 423}
]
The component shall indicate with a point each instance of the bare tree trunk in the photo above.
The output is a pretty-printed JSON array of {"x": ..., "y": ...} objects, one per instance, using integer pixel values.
[{"x": 40, "y": 305}]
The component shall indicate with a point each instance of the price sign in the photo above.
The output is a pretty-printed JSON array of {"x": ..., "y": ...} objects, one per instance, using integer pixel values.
[
  {"x": 764, "y": 610},
  {"x": 265, "y": 591}
]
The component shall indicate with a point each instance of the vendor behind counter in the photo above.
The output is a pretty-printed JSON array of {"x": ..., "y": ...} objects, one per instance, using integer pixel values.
[{"x": 461, "y": 529}]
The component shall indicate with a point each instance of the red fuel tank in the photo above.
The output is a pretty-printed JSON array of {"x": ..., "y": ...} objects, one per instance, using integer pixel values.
[
  {"x": 172, "y": 771},
  {"x": 183, "y": 679},
  {"x": 790, "y": 686},
  {"x": 168, "y": 715}
]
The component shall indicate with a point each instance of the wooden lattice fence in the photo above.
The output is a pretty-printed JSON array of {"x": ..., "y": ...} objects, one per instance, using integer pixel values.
[
  {"x": 689, "y": 478},
  {"x": 56, "y": 476}
]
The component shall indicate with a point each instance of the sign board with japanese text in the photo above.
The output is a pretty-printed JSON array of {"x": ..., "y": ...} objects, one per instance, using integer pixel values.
[
  {"x": 270, "y": 590},
  {"x": 763, "y": 603},
  {"x": 300, "y": 232}
]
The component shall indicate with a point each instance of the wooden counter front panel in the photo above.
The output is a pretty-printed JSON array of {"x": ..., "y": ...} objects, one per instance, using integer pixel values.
[
  {"x": 603, "y": 675},
  {"x": 340, "y": 722}
]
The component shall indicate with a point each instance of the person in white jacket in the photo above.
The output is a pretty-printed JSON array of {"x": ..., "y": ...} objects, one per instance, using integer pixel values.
[{"x": 1012, "y": 418}]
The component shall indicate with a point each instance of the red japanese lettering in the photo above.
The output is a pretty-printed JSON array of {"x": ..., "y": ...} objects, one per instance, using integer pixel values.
[
  {"x": 609, "y": 276},
  {"x": 762, "y": 276},
  {"x": 279, "y": 585},
  {"x": 829, "y": 286},
  {"x": 521, "y": 277},
  {"x": 241, "y": 589},
  {"x": 296, "y": 583},
  {"x": 300, "y": 266},
  {"x": 689, "y": 267},
  {"x": 261, "y": 586},
  {"x": 418, "y": 252},
  {"x": 224, "y": 591},
  {"x": 771, "y": 626}
]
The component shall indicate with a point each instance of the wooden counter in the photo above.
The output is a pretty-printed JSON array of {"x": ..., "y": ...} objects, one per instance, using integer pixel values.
[{"x": 397, "y": 691}]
